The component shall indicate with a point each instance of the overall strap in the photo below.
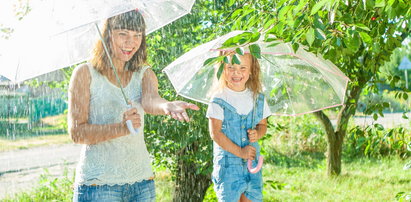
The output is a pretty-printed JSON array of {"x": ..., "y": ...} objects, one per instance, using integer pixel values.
[
  {"x": 223, "y": 104},
  {"x": 260, "y": 103}
]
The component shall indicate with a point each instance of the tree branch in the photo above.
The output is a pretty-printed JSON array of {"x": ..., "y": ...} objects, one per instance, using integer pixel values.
[{"x": 329, "y": 129}]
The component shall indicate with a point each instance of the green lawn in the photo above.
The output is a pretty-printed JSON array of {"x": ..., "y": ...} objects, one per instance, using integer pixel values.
[
  {"x": 361, "y": 180},
  {"x": 33, "y": 141}
]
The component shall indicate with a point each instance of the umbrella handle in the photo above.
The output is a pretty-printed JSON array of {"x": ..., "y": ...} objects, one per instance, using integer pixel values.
[
  {"x": 129, "y": 124},
  {"x": 132, "y": 130},
  {"x": 258, "y": 167}
]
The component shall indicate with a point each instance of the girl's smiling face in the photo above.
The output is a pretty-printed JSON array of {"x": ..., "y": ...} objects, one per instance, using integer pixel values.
[
  {"x": 125, "y": 43},
  {"x": 236, "y": 75}
]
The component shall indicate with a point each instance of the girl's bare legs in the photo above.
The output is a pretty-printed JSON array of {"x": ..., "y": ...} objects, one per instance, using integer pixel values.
[{"x": 244, "y": 199}]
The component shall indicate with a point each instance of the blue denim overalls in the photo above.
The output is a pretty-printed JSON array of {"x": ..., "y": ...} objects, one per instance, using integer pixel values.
[{"x": 230, "y": 175}]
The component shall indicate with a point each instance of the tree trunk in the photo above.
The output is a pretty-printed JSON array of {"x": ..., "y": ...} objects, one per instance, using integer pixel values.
[
  {"x": 334, "y": 152},
  {"x": 190, "y": 186},
  {"x": 335, "y": 141},
  {"x": 335, "y": 137}
]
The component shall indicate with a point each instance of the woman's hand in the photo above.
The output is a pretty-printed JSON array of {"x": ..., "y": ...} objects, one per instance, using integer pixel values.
[
  {"x": 177, "y": 109},
  {"x": 132, "y": 115},
  {"x": 248, "y": 152}
]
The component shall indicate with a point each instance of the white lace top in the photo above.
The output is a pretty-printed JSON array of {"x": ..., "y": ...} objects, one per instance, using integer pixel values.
[{"x": 121, "y": 160}]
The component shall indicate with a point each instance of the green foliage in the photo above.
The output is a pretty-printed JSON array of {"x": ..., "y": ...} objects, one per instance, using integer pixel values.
[
  {"x": 20, "y": 115},
  {"x": 387, "y": 101},
  {"x": 171, "y": 142},
  {"x": 357, "y": 183},
  {"x": 390, "y": 68},
  {"x": 375, "y": 141},
  {"x": 49, "y": 189},
  {"x": 357, "y": 36},
  {"x": 297, "y": 134},
  {"x": 62, "y": 85},
  {"x": 402, "y": 196}
]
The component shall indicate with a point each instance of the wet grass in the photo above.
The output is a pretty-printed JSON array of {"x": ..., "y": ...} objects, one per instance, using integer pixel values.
[
  {"x": 33, "y": 141},
  {"x": 22, "y": 128},
  {"x": 361, "y": 180}
]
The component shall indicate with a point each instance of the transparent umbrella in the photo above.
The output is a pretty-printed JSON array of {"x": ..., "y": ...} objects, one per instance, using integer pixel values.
[
  {"x": 294, "y": 83},
  {"x": 58, "y": 34}
]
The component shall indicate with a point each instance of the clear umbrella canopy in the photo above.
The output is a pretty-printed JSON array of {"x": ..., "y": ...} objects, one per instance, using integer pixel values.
[
  {"x": 294, "y": 82},
  {"x": 57, "y": 34}
]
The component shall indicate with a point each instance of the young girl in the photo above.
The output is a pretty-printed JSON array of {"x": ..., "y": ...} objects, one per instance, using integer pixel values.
[{"x": 237, "y": 118}]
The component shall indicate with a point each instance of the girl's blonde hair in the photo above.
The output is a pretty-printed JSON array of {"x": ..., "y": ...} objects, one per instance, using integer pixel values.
[
  {"x": 254, "y": 82},
  {"x": 132, "y": 20}
]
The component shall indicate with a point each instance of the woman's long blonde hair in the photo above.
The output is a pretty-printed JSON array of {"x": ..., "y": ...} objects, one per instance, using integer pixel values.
[
  {"x": 132, "y": 20},
  {"x": 254, "y": 82}
]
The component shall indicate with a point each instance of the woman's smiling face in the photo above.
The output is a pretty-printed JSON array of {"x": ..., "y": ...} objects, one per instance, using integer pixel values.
[{"x": 125, "y": 43}]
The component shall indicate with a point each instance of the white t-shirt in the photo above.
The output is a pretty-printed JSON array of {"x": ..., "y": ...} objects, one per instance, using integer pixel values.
[{"x": 242, "y": 101}]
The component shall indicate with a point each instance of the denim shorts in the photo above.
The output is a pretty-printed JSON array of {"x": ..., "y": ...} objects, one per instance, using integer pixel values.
[
  {"x": 139, "y": 191},
  {"x": 230, "y": 181}
]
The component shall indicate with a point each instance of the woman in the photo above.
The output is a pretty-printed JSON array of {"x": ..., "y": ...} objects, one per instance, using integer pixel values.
[{"x": 114, "y": 164}]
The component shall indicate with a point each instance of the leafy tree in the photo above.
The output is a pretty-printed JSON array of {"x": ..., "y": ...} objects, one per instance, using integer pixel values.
[
  {"x": 357, "y": 36},
  {"x": 390, "y": 69},
  {"x": 184, "y": 148}
]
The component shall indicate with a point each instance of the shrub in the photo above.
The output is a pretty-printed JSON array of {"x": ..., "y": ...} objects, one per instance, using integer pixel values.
[
  {"x": 394, "y": 103},
  {"x": 301, "y": 133},
  {"x": 375, "y": 141}
]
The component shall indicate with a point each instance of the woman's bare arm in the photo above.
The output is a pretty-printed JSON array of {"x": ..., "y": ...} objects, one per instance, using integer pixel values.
[
  {"x": 154, "y": 104},
  {"x": 80, "y": 130}
]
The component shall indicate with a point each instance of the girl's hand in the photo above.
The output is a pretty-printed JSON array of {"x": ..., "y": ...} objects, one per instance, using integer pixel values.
[
  {"x": 177, "y": 109},
  {"x": 252, "y": 135},
  {"x": 248, "y": 152},
  {"x": 133, "y": 115}
]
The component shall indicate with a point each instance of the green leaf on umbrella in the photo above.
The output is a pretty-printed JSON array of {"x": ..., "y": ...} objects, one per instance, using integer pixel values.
[
  {"x": 226, "y": 60},
  {"x": 255, "y": 37},
  {"x": 210, "y": 61},
  {"x": 255, "y": 50},
  {"x": 220, "y": 70},
  {"x": 273, "y": 44},
  {"x": 240, "y": 50},
  {"x": 235, "y": 60}
]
